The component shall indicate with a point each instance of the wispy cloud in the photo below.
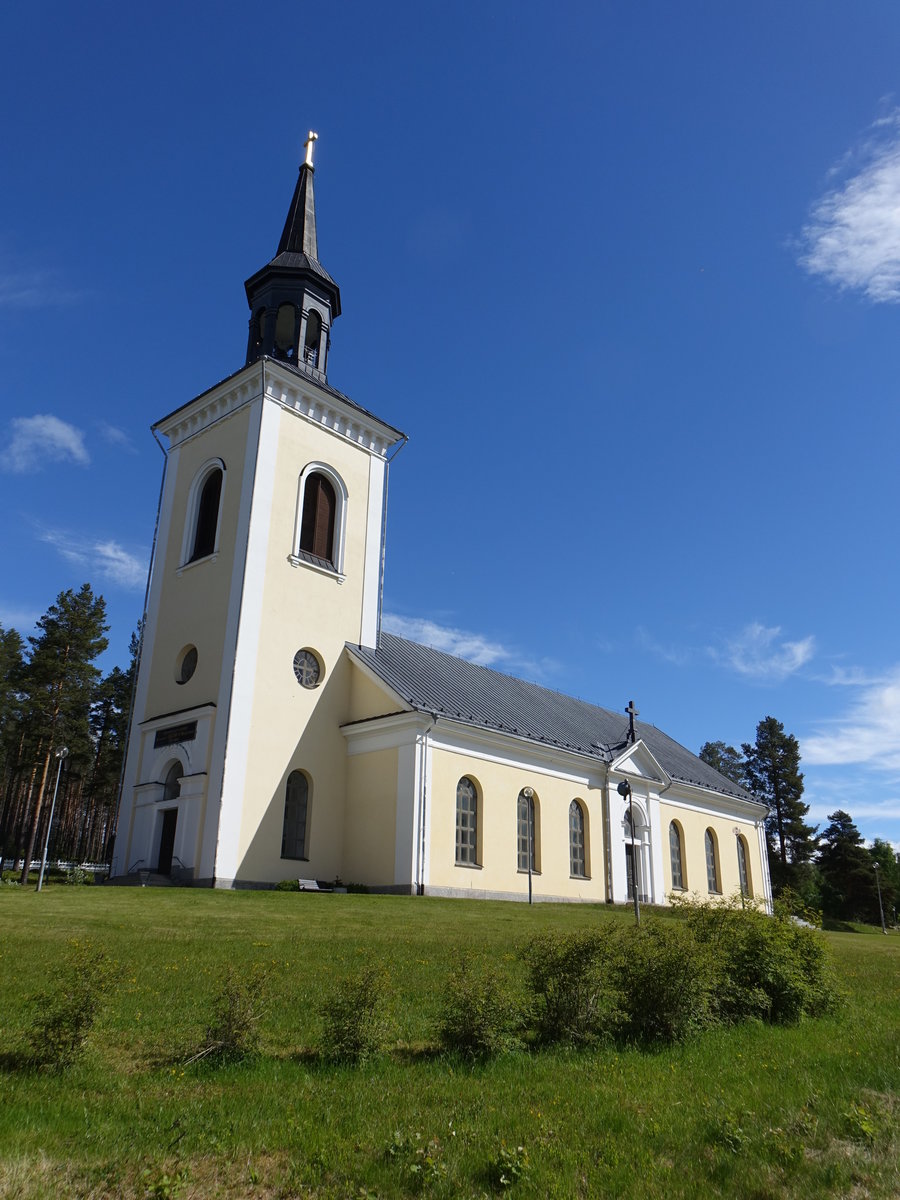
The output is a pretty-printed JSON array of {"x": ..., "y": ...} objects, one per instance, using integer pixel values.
[
  {"x": 103, "y": 558},
  {"x": 116, "y": 436},
  {"x": 759, "y": 652},
  {"x": 852, "y": 238},
  {"x": 474, "y": 647},
  {"x": 867, "y": 734},
  {"x": 679, "y": 656},
  {"x": 37, "y": 441},
  {"x": 34, "y": 287},
  {"x": 22, "y": 619}
]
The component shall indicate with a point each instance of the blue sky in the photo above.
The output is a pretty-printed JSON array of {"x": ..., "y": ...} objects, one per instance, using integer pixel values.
[{"x": 628, "y": 276}]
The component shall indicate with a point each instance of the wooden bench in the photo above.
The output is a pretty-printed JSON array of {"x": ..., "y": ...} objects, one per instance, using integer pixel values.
[{"x": 310, "y": 885}]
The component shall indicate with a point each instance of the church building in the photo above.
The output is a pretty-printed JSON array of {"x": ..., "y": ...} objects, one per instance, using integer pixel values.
[{"x": 279, "y": 733}]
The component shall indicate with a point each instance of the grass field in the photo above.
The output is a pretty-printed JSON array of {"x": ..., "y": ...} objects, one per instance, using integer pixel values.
[{"x": 754, "y": 1111}]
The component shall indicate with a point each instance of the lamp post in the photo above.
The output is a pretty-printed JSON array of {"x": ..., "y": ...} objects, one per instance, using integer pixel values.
[
  {"x": 528, "y": 793},
  {"x": 876, "y": 867},
  {"x": 60, "y": 754},
  {"x": 624, "y": 789}
]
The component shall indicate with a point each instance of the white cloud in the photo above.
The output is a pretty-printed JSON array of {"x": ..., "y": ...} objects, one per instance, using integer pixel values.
[
  {"x": 42, "y": 439},
  {"x": 473, "y": 647},
  {"x": 106, "y": 559},
  {"x": 757, "y": 653},
  {"x": 868, "y": 733},
  {"x": 852, "y": 238}
]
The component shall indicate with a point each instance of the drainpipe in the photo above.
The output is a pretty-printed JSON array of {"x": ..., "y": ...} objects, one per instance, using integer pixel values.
[
  {"x": 140, "y": 653},
  {"x": 384, "y": 504},
  {"x": 607, "y": 835},
  {"x": 423, "y": 801}
]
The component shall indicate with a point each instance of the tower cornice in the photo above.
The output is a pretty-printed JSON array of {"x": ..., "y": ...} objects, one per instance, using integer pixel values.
[{"x": 290, "y": 387}]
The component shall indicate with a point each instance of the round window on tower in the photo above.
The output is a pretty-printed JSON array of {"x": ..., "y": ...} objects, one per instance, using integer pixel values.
[
  {"x": 186, "y": 664},
  {"x": 307, "y": 668}
]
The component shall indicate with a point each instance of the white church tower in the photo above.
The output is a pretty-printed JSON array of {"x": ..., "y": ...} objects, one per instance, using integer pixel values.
[{"x": 268, "y": 559}]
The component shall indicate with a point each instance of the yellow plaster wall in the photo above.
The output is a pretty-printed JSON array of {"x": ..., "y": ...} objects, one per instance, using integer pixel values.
[
  {"x": 296, "y": 727},
  {"x": 694, "y": 825},
  {"x": 369, "y": 836},
  {"x": 367, "y": 699},
  {"x": 498, "y": 789}
]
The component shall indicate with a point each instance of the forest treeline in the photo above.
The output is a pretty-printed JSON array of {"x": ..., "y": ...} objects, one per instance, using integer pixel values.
[
  {"x": 832, "y": 871},
  {"x": 53, "y": 695}
]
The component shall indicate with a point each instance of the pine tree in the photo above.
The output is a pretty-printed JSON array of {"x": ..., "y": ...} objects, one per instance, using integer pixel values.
[
  {"x": 724, "y": 759},
  {"x": 60, "y": 680},
  {"x": 772, "y": 773},
  {"x": 848, "y": 878},
  {"x": 882, "y": 852}
]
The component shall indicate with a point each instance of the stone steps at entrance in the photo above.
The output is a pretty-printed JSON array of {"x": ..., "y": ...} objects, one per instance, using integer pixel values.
[{"x": 142, "y": 879}]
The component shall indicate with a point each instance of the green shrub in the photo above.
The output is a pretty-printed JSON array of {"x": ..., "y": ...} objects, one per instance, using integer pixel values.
[
  {"x": 768, "y": 968},
  {"x": 568, "y": 976},
  {"x": 287, "y": 885},
  {"x": 77, "y": 876},
  {"x": 232, "y": 1034},
  {"x": 480, "y": 1016},
  {"x": 66, "y": 1013},
  {"x": 666, "y": 981},
  {"x": 354, "y": 1027}
]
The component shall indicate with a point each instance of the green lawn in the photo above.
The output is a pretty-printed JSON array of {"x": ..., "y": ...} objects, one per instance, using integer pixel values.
[{"x": 754, "y": 1111}]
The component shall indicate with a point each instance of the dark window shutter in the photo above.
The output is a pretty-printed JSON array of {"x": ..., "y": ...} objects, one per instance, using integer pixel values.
[{"x": 317, "y": 523}]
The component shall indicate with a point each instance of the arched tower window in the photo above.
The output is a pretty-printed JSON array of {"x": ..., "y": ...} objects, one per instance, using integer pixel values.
[
  {"x": 676, "y": 857},
  {"x": 466, "y": 822},
  {"x": 285, "y": 331},
  {"x": 313, "y": 337},
  {"x": 577, "y": 861},
  {"x": 317, "y": 523},
  {"x": 207, "y": 523},
  {"x": 296, "y": 817},
  {"x": 743, "y": 867},
  {"x": 172, "y": 784},
  {"x": 712, "y": 863}
]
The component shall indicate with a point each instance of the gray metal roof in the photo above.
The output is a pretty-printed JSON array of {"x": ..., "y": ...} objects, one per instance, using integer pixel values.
[{"x": 456, "y": 690}]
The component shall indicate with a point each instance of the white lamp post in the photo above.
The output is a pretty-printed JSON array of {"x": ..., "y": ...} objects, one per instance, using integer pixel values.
[
  {"x": 60, "y": 754},
  {"x": 880, "y": 905},
  {"x": 624, "y": 789}
]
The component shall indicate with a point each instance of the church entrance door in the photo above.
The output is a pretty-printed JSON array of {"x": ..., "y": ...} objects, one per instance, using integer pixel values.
[{"x": 167, "y": 841}]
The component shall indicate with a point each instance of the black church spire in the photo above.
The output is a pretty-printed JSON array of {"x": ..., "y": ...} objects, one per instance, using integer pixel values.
[{"x": 293, "y": 300}]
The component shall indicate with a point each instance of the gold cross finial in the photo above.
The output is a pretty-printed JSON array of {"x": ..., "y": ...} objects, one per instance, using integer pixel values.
[{"x": 308, "y": 144}]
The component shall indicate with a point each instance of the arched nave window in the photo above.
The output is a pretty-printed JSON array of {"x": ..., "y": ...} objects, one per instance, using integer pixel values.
[
  {"x": 466, "y": 822},
  {"x": 295, "y": 836},
  {"x": 526, "y": 832},
  {"x": 712, "y": 862},
  {"x": 743, "y": 866},
  {"x": 676, "y": 856},
  {"x": 577, "y": 857}
]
